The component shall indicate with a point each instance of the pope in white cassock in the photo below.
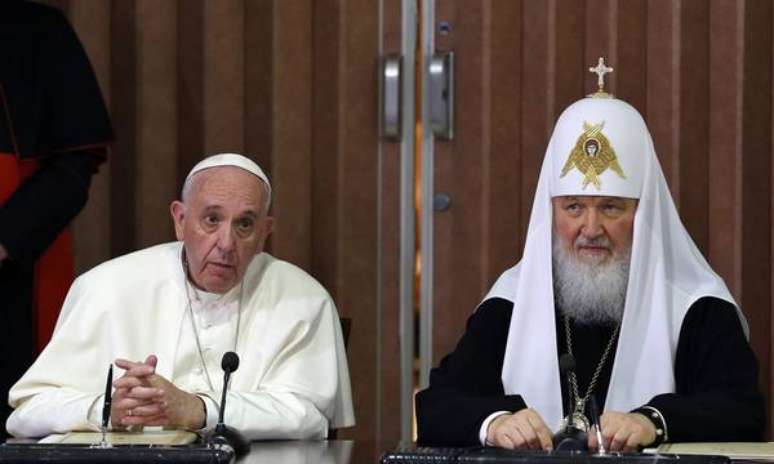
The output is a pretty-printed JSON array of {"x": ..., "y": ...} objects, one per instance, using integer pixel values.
[
  {"x": 167, "y": 314},
  {"x": 609, "y": 276}
]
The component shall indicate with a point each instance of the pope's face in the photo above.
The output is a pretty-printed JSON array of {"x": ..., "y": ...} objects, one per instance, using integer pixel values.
[
  {"x": 594, "y": 229},
  {"x": 223, "y": 225}
]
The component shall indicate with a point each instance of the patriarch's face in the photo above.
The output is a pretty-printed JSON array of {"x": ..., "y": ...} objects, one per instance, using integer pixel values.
[{"x": 594, "y": 229}]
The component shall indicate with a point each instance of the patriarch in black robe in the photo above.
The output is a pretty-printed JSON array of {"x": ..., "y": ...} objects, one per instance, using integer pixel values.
[{"x": 610, "y": 276}]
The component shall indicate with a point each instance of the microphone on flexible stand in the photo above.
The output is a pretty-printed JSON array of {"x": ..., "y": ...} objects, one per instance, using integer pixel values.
[
  {"x": 570, "y": 437},
  {"x": 223, "y": 434}
]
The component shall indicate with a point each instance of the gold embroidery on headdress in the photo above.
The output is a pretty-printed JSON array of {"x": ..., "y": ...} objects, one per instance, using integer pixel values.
[{"x": 591, "y": 155}]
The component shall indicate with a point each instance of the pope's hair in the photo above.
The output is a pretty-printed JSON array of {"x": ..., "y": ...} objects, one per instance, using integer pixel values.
[
  {"x": 189, "y": 183},
  {"x": 590, "y": 293}
]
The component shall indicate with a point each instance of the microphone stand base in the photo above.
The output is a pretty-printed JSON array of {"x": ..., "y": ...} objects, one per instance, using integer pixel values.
[
  {"x": 571, "y": 439},
  {"x": 228, "y": 436}
]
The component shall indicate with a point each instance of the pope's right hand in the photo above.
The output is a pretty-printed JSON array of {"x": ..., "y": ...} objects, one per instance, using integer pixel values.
[{"x": 523, "y": 429}]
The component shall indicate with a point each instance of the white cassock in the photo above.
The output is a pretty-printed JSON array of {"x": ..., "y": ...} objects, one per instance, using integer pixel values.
[{"x": 292, "y": 381}]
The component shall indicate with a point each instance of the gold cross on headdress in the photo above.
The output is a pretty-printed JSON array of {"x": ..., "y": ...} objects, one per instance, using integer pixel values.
[{"x": 600, "y": 70}]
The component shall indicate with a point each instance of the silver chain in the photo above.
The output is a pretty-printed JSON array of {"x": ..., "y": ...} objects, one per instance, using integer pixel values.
[
  {"x": 579, "y": 402},
  {"x": 193, "y": 323}
]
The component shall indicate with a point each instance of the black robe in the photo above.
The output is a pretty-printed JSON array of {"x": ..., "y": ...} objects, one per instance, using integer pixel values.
[
  {"x": 51, "y": 110},
  {"x": 716, "y": 377}
]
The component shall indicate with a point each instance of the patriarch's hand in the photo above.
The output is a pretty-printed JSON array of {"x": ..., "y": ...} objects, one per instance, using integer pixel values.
[
  {"x": 625, "y": 432},
  {"x": 522, "y": 429}
]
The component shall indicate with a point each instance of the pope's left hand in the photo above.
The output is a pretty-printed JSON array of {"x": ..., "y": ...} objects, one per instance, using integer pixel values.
[{"x": 625, "y": 432}]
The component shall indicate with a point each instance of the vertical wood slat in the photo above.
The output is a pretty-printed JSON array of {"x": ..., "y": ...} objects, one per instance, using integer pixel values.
[
  {"x": 91, "y": 233},
  {"x": 124, "y": 90},
  {"x": 662, "y": 51},
  {"x": 501, "y": 175},
  {"x": 156, "y": 118},
  {"x": 259, "y": 48},
  {"x": 631, "y": 63},
  {"x": 358, "y": 198},
  {"x": 190, "y": 87},
  {"x": 259, "y": 93},
  {"x": 292, "y": 135},
  {"x": 570, "y": 70},
  {"x": 326, "y": 140},
  {"x": 756, "y": 173},
  {"x": 458, "y": 168},
  {"x": 388, "y": 337},
  {"x": 223, "y": 76},
  {"x": 598, "y": 33},
  {"x": 725, "y": 140},
  {"x": 694, "y": 120},
  {"x": 534, "y": 134}
]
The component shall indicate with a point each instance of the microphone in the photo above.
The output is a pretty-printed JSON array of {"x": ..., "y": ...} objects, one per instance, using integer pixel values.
[
  {"x": 224, "y": 435},
  {"x": 569, "y": 438},
  {"x": 229, "y": 364}
]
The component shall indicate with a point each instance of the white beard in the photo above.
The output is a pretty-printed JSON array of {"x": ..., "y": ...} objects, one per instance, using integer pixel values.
[{"x": 590, "y": 293}]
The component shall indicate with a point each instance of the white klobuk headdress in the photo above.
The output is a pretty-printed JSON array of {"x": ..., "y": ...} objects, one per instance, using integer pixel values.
[{"x": 601, "y": 146}]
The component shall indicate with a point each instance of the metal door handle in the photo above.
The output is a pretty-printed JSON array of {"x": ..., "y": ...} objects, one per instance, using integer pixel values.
[
  {"x": 441, "y": 98},
  {"x": 391, "y": 69}
]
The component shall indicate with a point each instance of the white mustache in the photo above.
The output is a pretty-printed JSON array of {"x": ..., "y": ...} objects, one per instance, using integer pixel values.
[{"x": 601, "y": 241}]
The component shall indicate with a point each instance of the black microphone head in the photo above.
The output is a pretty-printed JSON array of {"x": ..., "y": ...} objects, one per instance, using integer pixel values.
[
  {"x": 230, "y": 362},
  {"x": 566, "y": 363}
]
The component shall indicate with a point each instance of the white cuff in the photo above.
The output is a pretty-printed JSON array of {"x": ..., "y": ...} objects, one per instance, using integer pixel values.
[
  {"x": 94, "y": 417},
  {"x": 482, "y": 432},
  {"x": 213, "y": 410}
]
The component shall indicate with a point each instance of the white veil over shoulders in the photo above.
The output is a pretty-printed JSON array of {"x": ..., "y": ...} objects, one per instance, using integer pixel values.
[{"x": 667, "y": 271}]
